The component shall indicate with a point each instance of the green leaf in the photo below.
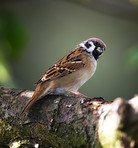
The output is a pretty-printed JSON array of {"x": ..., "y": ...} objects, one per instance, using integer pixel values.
[
  {"x": 132, "y": 57},
  {"x": 13, "y": 35}
]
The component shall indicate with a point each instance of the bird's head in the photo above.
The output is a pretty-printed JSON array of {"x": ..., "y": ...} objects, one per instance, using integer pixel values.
[{"x": 93, "y": 46}]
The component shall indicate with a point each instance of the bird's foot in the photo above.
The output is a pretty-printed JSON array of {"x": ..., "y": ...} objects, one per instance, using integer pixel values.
[{"x": 76, "y": 94}]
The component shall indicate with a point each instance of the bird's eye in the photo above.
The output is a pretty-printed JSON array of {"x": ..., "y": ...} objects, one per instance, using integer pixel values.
[{"x": 97, "y": 44}]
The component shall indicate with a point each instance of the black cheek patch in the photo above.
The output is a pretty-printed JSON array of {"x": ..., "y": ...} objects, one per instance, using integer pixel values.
[{"x": 88, "y": 45}]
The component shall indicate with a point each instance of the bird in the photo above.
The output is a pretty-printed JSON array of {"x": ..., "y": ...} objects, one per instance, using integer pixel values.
[{"x": 70, "y": 72}]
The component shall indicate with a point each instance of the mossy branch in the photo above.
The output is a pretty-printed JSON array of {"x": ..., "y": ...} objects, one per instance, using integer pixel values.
[{"x": 67, "y": 121}]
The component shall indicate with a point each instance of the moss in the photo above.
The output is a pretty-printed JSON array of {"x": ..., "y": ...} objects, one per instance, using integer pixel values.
[
  {"x": 35, "y": 132},
  {"x": 70, "y": 136},
  {"x": 47, "y": 138},
  {"x": 7, "y": 132}
]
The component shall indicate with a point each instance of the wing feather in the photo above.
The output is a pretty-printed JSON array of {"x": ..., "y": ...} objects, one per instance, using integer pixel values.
[{"x": 67, "y": 65}]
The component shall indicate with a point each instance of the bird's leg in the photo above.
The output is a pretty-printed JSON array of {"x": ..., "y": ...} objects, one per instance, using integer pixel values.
[{"x": 76, "y": 94}]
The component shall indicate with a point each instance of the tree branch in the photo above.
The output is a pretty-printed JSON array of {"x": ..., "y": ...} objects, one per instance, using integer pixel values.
[{"x": 67, "y": 121}]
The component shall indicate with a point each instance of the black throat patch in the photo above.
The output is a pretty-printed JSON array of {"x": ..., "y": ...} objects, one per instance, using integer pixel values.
[{"x": 96, "y": 54}]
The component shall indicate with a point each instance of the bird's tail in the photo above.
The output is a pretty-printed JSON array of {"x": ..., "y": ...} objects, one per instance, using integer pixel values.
[{"x": 37, "y": 94}]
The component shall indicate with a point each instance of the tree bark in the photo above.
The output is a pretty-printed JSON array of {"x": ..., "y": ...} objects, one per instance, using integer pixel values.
[{"x": 67, "y": 121}]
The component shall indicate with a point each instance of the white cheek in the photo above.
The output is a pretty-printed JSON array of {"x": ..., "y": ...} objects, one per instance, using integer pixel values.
[
  {"x": 82, "y": 45},
  {"x": 91, "y": 49}
]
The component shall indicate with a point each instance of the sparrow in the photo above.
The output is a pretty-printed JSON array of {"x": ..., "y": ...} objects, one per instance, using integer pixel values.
[{"x": 71, "y": 72}]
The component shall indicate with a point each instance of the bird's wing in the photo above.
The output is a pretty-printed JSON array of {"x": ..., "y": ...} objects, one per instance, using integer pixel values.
[{"x": 67, "y": 65}]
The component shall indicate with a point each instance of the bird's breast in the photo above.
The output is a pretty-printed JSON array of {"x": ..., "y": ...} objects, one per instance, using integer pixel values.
[
  {"x": 87, "y": 72},
  {"x": 76, "y": 79}
]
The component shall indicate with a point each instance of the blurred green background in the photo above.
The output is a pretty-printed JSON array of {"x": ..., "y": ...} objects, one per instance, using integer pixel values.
[{"x": 35, "y": 34}]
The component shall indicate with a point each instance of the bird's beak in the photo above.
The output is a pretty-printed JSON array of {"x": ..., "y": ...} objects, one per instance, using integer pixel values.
[{"x": 103, "y": 49}]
